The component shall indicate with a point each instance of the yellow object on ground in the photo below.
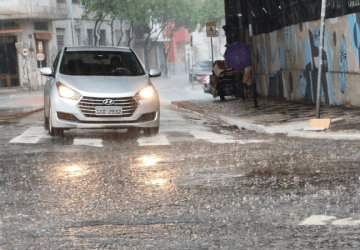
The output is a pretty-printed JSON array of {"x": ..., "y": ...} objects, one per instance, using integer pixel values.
[{"x": 319, "y": 123}]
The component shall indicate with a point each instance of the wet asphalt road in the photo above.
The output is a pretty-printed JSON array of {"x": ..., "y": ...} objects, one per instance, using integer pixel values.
[{"x": 199, "y": 184}]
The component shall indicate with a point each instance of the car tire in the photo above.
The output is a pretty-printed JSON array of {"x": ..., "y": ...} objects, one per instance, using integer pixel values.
[
  {"x": 54, "y": 131},
  {"x": 46, "y": 122},
  {"x": 222, "y": 96},
  {"x": 151, "y": 131}
]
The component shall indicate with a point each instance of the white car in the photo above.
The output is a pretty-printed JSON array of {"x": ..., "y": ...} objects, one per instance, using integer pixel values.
[{"x": 100, "y": 87}]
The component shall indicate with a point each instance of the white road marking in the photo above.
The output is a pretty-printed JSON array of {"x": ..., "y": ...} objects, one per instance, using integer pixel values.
[
  {"x": 217, "y": 138},
  {"x": 316, "y": 220},
  {"x": 157, "y": 140},
  {"x": 88, "y": 142},
  {"x": 31, "y": 135},
  {"x": 346, "y": 222}
]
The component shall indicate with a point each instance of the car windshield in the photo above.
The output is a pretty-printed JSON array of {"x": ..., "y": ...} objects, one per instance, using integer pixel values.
[
  {"x": 101, "y": 63},
  {"x": 204, "y": 64}
]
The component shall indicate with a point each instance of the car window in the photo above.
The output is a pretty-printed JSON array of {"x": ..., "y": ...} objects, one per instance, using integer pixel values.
[
  {"x": 204, "y": 64},
  {"x": 101, "y": 63}
]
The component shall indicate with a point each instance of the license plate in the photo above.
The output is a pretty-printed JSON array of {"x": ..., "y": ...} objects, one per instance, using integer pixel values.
[{"x": 108, "y": 110}]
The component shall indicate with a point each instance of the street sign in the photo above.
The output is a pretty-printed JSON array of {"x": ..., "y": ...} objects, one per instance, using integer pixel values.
[
  {"x": 25, "y": 51},
  {"x": 210, "y": 29},
  {"x": 40, "y": 57},
  {"x": 40, "y": 47}
]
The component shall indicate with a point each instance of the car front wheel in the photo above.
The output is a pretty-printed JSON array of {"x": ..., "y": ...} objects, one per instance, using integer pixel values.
[
  {"x": 54, "y": 131},
  {"x": 151, "y": 131}
]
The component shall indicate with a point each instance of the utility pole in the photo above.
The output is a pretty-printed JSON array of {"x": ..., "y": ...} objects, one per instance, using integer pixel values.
[
  {"x": 192, "y": 61},
  {"x": 321, "y": 44},
  {"x": 72, "y": 24}
]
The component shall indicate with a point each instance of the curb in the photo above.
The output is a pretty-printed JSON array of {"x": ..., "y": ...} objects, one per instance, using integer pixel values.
[
  {"x": 294, "y": 129},
  {"x": 229, "y": 119},
  {"x": 5, "y": 118}
]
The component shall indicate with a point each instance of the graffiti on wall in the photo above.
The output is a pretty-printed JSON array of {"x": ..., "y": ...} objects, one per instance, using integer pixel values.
[
  {"x": 302, "y": 43},
  {"x": 263, "y": 54},
  {"x": 309, "y": 77},
  {"x": 342, "y": 65},
  {"x": 276, "y": 85}
]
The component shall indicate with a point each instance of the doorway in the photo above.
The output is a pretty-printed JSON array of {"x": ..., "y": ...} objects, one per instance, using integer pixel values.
[{"x": 9, "y": 70}]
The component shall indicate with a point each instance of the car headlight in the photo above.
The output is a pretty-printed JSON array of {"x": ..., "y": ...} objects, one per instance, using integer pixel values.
[
  {"x": 147, "y": 92},
  {"x": 67, "y": 92}
]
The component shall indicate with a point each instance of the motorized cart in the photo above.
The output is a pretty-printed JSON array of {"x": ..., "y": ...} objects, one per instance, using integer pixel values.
[{"x": 227, "y": 81}]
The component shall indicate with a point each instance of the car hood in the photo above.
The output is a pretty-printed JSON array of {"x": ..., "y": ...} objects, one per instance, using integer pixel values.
[{"x": 105, "y": 86}]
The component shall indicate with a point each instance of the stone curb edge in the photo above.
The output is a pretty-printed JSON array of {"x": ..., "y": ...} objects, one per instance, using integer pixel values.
[
  {"x": 265, "y": 129},
  {"x": 221, "y": 116},
  {"x": 20, "y": 115}
]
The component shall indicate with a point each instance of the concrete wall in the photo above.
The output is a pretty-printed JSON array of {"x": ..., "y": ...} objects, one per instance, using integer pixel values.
[
  {"x": 287, "y": 61},
  {"x": 29, "y": 74},
  {"x": 40, "y": 9}
]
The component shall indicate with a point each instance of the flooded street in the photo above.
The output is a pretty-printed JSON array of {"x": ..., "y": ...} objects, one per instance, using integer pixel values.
[{"x": 198, "y": 184}]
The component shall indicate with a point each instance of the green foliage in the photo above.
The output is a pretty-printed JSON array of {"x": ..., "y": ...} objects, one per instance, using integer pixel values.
[
  {"x": 184, "y": 13},
  {"x": 211, "y": 11}
]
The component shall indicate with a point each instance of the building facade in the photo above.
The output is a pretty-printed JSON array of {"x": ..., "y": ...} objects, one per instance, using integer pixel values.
[{"x": 25, "y": 30}]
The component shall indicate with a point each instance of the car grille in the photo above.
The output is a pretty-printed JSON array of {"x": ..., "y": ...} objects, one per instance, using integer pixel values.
[{"x": 87, "y": 106}]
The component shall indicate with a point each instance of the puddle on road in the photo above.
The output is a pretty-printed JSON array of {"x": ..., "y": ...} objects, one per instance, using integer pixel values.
[{"x": 209, "y": 176}]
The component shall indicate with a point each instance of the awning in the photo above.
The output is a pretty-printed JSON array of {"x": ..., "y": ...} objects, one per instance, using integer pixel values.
[
  {"x": 43, "y": 36},
  {"x": 9, "y": 31},
  {"x": 10, "y": 28}
]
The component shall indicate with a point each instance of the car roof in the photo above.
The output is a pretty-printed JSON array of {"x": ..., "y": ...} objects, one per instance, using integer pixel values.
[{"x": 98, "y": 48}]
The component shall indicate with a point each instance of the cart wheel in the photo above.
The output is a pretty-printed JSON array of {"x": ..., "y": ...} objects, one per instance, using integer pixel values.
[{"x": 222, "y": 97}]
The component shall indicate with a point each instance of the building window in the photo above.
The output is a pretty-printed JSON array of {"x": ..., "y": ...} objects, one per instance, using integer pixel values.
[
  {"x": 75, "y": 1},
  {"x": 127, "y": 37},
  {"x": 117, "y": 34},
  {"x": 41, "y": 25},
  {"x": 179, "y": 51},
  {"x": 78, "y": 39},
  {"x": 90, "y": 33},
  {"x": 102, "y": 41},
  {"x": 60, "y": 37},
  {"x": 61, "y": 1}
]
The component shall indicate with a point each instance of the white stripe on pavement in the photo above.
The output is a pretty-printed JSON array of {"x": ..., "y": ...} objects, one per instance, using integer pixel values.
[
  {"x": 219, "y": 138},
  {"x": 316, "y": 220},
  {"x": 31, "y": 135},
  {"x": 157, "y": 140},
  {"x": 88, "y": 142}
]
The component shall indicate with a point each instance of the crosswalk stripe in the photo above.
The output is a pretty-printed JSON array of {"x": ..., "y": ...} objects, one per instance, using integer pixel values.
[
  {"x": 219, "y": 138},
  {"x": 88, "y": 142},
  {"x": 157, "y": 140},
  {"x": 318, "y": 220},
  {"x": 31, "y": 135}
]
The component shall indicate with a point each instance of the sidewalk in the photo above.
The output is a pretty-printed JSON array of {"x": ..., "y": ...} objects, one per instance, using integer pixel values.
[
  {"x": 20, "y": 102},
  {"x": 280, "y": 116}
]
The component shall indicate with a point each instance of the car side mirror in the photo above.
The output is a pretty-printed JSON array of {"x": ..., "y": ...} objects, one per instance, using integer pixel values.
[
  {"x": 155, "y": 73},
  {"x": 47, "y": 71}
]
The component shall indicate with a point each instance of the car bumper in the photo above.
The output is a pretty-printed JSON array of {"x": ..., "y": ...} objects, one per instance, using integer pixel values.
[{"x": 67, "y": 115}]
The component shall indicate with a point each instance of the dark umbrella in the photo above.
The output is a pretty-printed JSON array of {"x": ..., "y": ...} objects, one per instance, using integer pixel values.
[{"x": 237, "y": 56}]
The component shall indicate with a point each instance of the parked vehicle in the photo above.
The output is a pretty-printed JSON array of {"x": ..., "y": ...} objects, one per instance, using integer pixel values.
[
  {"x": 202, "y": 66},
  {"x": 100, "y": 87},
  {"x": 206, "y": 85}
]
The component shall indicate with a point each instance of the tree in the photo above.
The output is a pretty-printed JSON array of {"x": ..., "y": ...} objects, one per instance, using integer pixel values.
[{"x": 151, "y": 18}]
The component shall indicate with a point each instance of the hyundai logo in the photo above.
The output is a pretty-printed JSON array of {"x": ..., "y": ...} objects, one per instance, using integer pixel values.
[{"x": 108, "y": 102}]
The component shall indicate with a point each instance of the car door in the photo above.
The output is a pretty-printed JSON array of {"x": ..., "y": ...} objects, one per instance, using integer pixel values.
[{"x": 49, "y": 82}]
